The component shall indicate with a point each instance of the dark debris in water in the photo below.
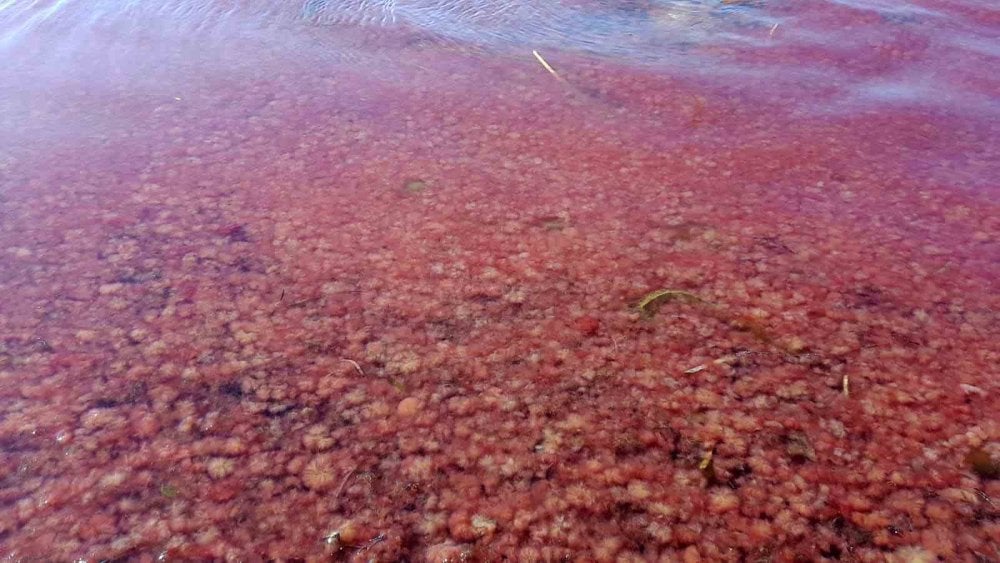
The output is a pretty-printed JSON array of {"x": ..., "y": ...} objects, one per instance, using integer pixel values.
[
  {"x": 799, "y": 448},
  {"x": 707, "y": 468},
  {"x": 231, "y": 389},
  {"x": 236, "y": 233},
  {"x": 551, "y": 222},
  {"x": 852, "y": 535},
  {"x": 983, "y": 464},
  {"x": 169, "y": 491}
]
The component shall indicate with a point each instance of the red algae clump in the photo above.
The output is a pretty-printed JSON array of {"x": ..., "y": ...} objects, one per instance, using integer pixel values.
[
  {"x": 318, "y": 473},
  {"x": 408, "y": 407},
  {"x": 345, "y": 292}
]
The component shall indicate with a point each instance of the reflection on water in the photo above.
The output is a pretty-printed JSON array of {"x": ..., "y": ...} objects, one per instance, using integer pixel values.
[
  {"x": 636, "y": 30},
  {"x": 780, "y": 43},
  {"x": 641, "y": 30}
]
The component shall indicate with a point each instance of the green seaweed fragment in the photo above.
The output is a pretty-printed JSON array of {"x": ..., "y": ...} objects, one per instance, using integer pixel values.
[
  {"x": 645, "y": 305},
  {"x": 168, "y": 490},
  {"x": 416, "y": 186}
]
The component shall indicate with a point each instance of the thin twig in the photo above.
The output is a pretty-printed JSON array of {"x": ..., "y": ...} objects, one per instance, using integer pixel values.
[
  {"x": 846, "y": 385},
  {"x": 982, "y": 494},
  {"x": 773, "y": 29},
  {"x": 719, "y": 361},
  {"x": 356, "y": 366},
  {"x": 377, "y": 539},
  {"x": 545, "y": 64},
  {"x": 343, "y": 483}
]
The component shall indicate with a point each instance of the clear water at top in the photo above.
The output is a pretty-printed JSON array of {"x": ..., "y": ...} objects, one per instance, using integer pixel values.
[{"x": 462, "y": 280}]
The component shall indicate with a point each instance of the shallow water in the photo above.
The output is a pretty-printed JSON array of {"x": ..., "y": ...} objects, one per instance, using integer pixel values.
[{"x": 362, "y": 280}]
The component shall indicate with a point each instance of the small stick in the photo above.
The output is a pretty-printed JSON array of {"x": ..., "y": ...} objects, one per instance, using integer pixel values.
[
  {"x": 356, "y": 366},
  {"x": 846, "y": 385},
  {"x": 982, "y": 494},
  {"x": 377, "y": 539},
  {"x": 719, "y": 361},
  {"x": 551, "y": 70},
  {"x": 343, "y": 483},
  {"x": 773, "y": 29}
]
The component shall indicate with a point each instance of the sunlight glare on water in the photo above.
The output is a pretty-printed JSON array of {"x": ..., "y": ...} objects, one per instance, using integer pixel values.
[
  {"x": 748, "y": 38},
  {"x": 635, "y": 29}
]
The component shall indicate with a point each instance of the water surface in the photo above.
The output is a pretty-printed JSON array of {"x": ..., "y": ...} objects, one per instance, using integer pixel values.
[{"x": 365, "y": 280}]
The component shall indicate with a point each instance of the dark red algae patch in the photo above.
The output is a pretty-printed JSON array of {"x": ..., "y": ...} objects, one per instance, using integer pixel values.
[{"x": 378, "y": 303}]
